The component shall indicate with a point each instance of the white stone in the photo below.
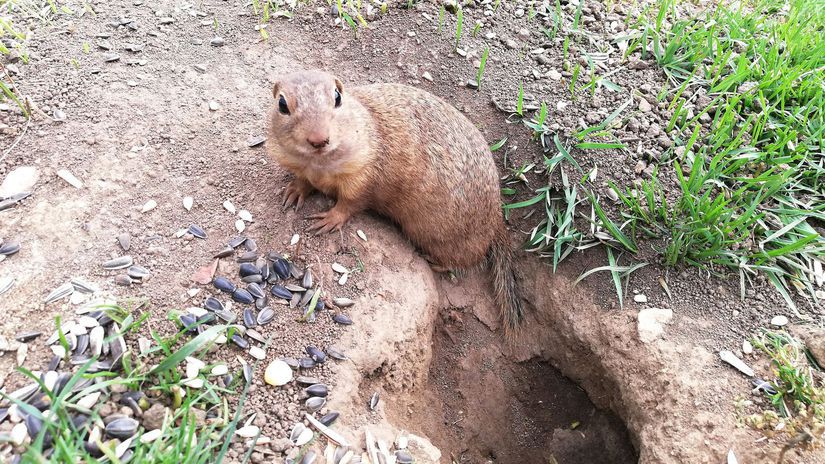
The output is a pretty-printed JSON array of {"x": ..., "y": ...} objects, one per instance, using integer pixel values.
[{"x": 651, "y": 323}]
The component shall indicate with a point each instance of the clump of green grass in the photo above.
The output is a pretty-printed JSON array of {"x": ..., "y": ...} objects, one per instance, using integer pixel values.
[
  {"x": 191, "y": 439},
  {"x": 796, "y": 391},
  {"x": 751, "y": 184},
  {"x": 482, "y": 66}
]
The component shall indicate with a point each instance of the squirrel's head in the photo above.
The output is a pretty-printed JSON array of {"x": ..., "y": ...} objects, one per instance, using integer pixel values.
[{"x": 307, "y": 105}]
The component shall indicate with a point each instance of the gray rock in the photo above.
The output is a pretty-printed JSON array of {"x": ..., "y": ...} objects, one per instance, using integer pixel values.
[{"x": 217, "y": 42}]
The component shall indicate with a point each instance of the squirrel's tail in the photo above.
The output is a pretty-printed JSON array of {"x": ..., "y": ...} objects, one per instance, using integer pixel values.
[{"x": 504, "y": 283}]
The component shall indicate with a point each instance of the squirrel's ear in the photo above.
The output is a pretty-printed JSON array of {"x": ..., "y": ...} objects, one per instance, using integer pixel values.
[
  {"x": 339, "y": 85},
  {"x": 275, "y": 89}
]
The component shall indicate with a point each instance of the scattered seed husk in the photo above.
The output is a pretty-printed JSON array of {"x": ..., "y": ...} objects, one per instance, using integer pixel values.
[
  {"x": 306, "y": 281},
  {"x": 25, "y": 337},
  {"x": 309, "y": 457},
  {"x": 188, "y": 202},
  {"x": 248, "y": 431},
  {"x": 240, "y": 226},
  {"x": 257, "y": 353},
  {"x": 237, "y": 241},
  {"x": 734, "y": 361},
  {"x": 227, "y": 205},
  {"x": 374, "y": 401},
  {"x": 245, "y": 215},
  {"x": 295, "y": 239},
  {"x": 303, "y": 437},
  {"x": 22, "y": 352},
  {"x": 150, "y": 436},
  {"x": 326, "y": 431},
  {"x": 121, "y": 262},
  {"x": 779, "y": 321},
  {"x": 66, "y": 175},
  {"x": 362, "y": 234},
  {"x": 255, "y": 140},
  {"x": 343, "y": 279},
  {"x": 339, "y": 268},
  {"x": 149, "y": 206},
  {"x": 343, "y": 302},
  {"x": 247, "y": 257},
  {"x": 5, "y": 284}
]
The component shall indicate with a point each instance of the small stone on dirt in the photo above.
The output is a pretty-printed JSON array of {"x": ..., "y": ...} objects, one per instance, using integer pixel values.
[
  {"x": 651, "y": 321},
  {"x": 779, "y": 321},
  {"x": 153, "y": 417},
  {"x": 427, "y": 76},
  {"x": 473, "y": 84},
  {"x": 747, "y": 348},
  {"x": 640, "y": 298},
  {"x": 644, "y": 106},
  {"x": 125, "y": 241},
  {"x": 217, "y": 42},
  {"x": 555, "y": 75},
  {"x": 214, "y": 106}
]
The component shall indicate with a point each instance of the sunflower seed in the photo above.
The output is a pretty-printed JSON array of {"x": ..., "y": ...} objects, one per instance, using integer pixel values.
[
  {"x": 306, "y": 363},
  {"x": 225, "y": 252},
  {"x": 9, "y": 248},
  {"x": 281, "y": 292},
  {"x": 249, "y": 318},
  {"x": 255, "y": 335},
  {"x": 123, "y": 280},
  {"x": 223, "y": 284},
  {"x": 342, "y": 319},
  {"x": 197, "y": 231},
  {"x": 266, "y": 316},
  {"x": 121, "y": 428},
  {"x": 247, "y": 257},
  {"x": 315, "y": 403},
  {"x": 281, "y": 267},
  {"x": 317, "y": 390},
  {"x": 335, "y": 353},
  {"x": 118, "y": 263},
  {"x": 304, "y": 380},
  {"x": 255, "y": 290},
  {"x": 317, "y": 355},
  {"x": 328, "y": 418},
  {"x": 83, "y": 287},
  {"x": 403, "y": 457},
  {"x": 242, "y": 296},
  {"x": 59, "y": 293},
  {"x": 343, "y": 302},
  {"x": 306, "y": 281},
  {"x": 262, "y": 303},
  {"x": 237, "y": 241},
  {"x": 309, "y": 458},
  {"x": 240, "y": 341},
  {"x": 251, "y": 245},
  {"x": 96, "y": 340},
  {"x": 138, "y": 272},
  {"x": 213, "y": 304}
]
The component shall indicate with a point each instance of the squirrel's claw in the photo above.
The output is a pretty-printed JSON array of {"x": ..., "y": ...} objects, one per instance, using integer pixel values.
[
  {"x": 294, "y": 194},
  {"x": 328, "y": 221}
]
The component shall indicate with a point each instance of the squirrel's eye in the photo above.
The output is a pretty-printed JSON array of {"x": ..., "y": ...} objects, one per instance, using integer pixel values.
[
  {"x": 337, "y": 98},
  {"x": 282, "y": 106}
]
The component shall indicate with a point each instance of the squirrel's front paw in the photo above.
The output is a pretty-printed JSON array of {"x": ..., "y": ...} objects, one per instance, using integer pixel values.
[
  {"x": 295, "y": 193},
  {"x": 328, "y": 221}
]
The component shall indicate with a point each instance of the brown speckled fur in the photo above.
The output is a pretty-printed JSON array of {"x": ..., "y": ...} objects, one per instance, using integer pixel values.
[{"x": 406, "y": 154}]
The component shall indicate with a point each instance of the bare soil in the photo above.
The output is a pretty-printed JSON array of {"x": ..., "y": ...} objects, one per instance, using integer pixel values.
[{"x": 140, "y": 128}]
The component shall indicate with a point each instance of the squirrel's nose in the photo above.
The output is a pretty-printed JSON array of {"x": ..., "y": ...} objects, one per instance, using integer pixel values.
[{"x": 318, "y": 140}]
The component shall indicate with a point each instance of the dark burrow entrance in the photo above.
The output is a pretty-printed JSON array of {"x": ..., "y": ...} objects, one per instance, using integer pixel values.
[{"x": 488, "y": 409}]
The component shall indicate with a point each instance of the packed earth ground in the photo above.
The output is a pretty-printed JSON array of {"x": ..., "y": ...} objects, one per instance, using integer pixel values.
[{"x": 662, "y": 174}]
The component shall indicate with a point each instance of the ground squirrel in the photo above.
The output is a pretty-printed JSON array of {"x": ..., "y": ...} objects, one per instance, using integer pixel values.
[{"x": 403, "y": 153}]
